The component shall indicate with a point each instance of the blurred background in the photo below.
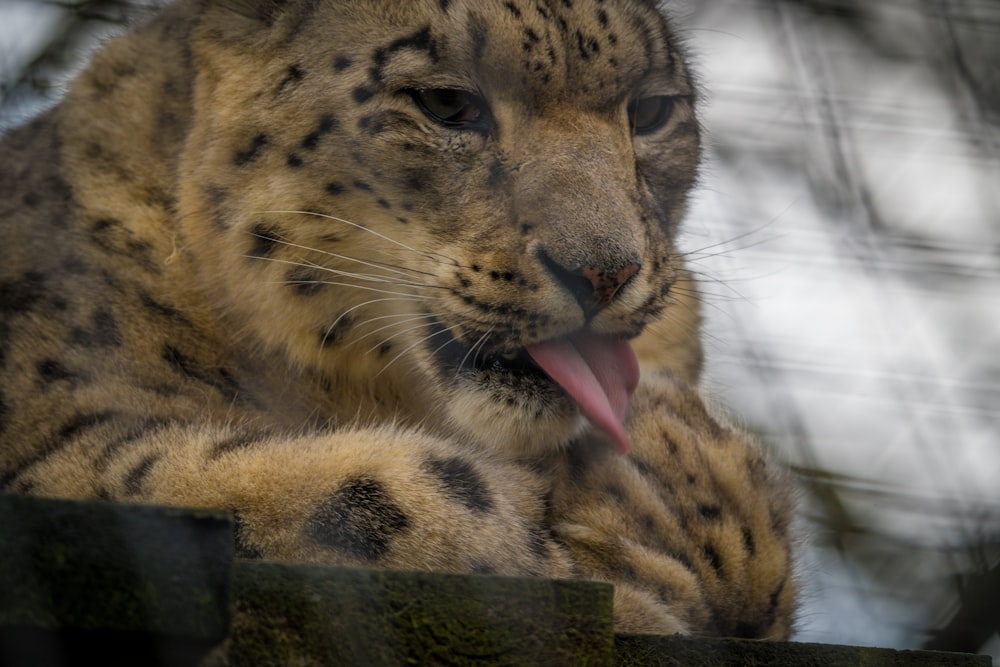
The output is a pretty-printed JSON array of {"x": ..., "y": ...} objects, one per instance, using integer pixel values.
[{"x": 847, "y": 236}]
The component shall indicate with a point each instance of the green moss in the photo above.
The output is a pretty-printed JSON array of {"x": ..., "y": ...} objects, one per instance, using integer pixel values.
[
  {"x": 95, "y": 565},
  {"x": 305, "y": 616}
]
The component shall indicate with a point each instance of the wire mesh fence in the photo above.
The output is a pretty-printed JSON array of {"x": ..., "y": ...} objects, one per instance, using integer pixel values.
[
  {"x": 851, "y": 222},
  {"x": 847, "y": 236}
]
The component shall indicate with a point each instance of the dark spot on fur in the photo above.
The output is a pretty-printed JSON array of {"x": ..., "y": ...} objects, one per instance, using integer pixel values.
[
  {"x": 304, "y": 282},
  {"x": 461, "y": 482},
  {"x": 748, "y": 541},
  {"x": 293, "y": 75},
  {"x": 415, "y": 182},
  {"x": 712, "y": 556},
  {"x": 335, "y": 333},
  {"x": 218, "y": 378},
  {"x": 512, "y": 8},
  {"x": 247, "y": 156},
  {"x": 646, "y": 469},
  {"x": 51, "y": 371},
  {"x": 779, "y": 523},
  {"x": 294, "y": 161},
  {"x": 83, "y": 421},
  {"x": 615, "y": 491},
  {"x": 103, "y": 331},
  {"x": 162, "y": 308},
  {"x": 244, "y": 548},
  {"x": 360, "y": 519},
  {"x": 75, "y": 426},
  {"x": 710, "y": 512},
  {"x": 74, "y": 265},
  {"x": 23, "y": 487},
  {"x": 626, "y": 572},
  {"x": 19, "y": 296},
  {"x": 327, "y": 124},
  {"x": 421, "y": 40},
  {"x": 538, "y": 543},
  {"x": 216, "y": 197},
  {"x": 334, "y": 188},
  {"x": 362, "y": 185},
  {"x": 479, "y": 37},
  {"x": 264, "y": 240},
  {"x": 581, "y": 46},
  {"x": 233, "y": 443},
  {"x": 137, "y": 475},
  {"x": 114, "y": 444},
  {"x": 340, "y": 63},
  {"x": 31, "y": 199},
  {"x": 497, "y": 175},
  {"x": 362, "y": 94},
  {"x": 772, "y": 604}
]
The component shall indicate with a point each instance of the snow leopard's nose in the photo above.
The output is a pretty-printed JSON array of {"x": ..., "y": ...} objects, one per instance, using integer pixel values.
[{"x": 593, "y": 287}]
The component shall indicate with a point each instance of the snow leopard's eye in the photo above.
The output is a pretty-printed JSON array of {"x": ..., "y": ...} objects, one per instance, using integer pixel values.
[
  {"x": 451, "y": 107},
  {"x": 649, "y": 114}
]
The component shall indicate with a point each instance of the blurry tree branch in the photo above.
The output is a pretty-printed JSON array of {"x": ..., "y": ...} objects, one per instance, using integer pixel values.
[{"x": 977, "y": 618}]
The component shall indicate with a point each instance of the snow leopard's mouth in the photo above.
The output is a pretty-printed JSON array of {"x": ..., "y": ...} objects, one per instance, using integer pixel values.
[
  {"x": 597, "y": 372},
  {"x": 459, "y": 357}
]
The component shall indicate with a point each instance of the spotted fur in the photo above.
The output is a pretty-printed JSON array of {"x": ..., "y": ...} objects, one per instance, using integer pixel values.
[{"x": 284, "y": 258}]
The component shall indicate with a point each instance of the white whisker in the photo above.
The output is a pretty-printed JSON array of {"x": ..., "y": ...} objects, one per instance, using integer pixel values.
[
  {"x": 374, "y": 265},
  {"x": 362, "y": 228},
  {"x": 400, "y": 333},
  {"x": 371, "y": 289},
  {"x": 425, "y": 338},
  {"x": 368, "y": 303},
  {"x": 369, "y": 277},
  {"x": 333, "y": 326},
  {"x": 482, "y": 339},
  {"x": 389, "y": 326}
]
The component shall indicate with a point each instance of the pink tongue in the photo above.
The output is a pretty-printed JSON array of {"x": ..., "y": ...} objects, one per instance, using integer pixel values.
[{"x": 599, "y": 372}]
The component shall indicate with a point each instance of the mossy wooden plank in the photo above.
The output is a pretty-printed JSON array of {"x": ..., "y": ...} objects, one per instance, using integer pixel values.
[
  {"x": 87, "y": 582},
  {"x": 142, "y": 578},
  {"x": 656, "y": 651},
  {"x": 311, "y": 616}
]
